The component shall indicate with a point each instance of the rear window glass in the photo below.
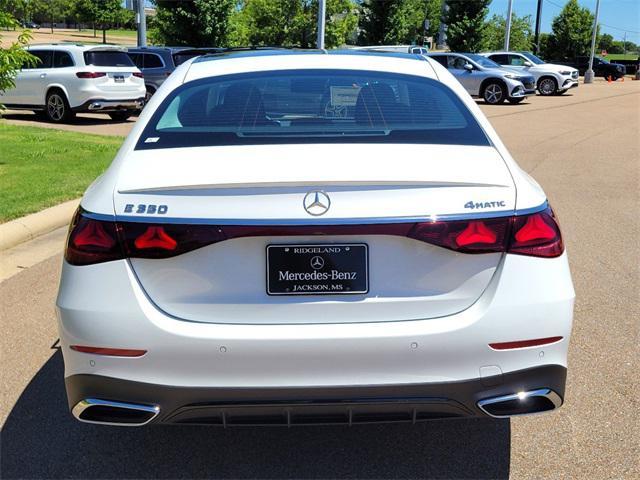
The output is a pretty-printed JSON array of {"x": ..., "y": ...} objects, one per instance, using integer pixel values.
[
  {"x": 311, "y": 106},
  {"x": 180, "y": 58},
  {"x": 108, "y": 59}
]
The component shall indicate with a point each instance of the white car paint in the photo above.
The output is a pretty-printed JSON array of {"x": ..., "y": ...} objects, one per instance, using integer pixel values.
[
  {"x": 204, "y": 317},
  {"x": 565, "y": 77},
  {"x": 33, "y": 84}
]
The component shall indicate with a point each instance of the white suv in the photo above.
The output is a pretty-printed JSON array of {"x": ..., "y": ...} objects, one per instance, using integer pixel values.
[
  {"x": 71, "y": 78},
  {"x": 551, "y": 79}
]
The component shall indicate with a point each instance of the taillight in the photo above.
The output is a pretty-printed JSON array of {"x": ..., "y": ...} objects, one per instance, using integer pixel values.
[
  {"x": 138, "y": 74},
  {"x": 94, "y": 241},
  {"x": 91, "y": 241},
  {"x": 90, "y": 74},
  {"x": 537, "y": 235}
]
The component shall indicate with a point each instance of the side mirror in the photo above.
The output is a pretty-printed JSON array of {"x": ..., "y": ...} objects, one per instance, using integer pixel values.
[
  {"x": 468, "y": 67},
  {"x": 528, "y": 64}
]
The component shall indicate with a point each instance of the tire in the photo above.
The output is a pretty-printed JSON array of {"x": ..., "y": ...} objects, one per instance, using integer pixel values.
[
  {"x": 494, "y": 93},
  {"x": 515, "y": 101},
  {"x": 57, "y": 109},
  {"x": 547, "y": 86},
  {"x": 149, "y": 94},
  {"x": 120, "y": 116}
]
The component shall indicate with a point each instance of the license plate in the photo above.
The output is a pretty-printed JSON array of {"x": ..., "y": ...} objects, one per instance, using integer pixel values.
[
  {"x": 118, "y": 79},
  {"x": 319, "y": 269}
]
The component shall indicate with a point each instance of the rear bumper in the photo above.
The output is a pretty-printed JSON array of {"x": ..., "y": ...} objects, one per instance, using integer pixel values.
[
  {"x": 104, "y": 105},
  {"x": 314, "y": 405}
]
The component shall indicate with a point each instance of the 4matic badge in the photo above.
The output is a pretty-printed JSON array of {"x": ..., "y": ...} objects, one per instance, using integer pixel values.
[{"x": 472, "y": 205}]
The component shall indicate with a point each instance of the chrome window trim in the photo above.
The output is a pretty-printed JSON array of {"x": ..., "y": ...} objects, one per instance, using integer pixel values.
[{"x": 312, "y": 221}]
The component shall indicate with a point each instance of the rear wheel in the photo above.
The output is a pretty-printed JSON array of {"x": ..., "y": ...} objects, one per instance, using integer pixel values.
[
  {"x": 149, "y": 94},
  {"x": 120, "y": 116},
  {"x": 547, "y": 86},
  {"x": 57, "y": 109},
  {"x": 494, "y": 93}
]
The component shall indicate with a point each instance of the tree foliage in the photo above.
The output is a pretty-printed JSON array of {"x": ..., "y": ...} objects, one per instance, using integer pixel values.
[
  {"x": 465, "y": 24},
  {"x": 520, "y": 37},
  {"x": 13, "y": 56},
  {"x": 570, "y": 32},
  {"x": 197, "y": 23},
  {"x": 397, "y": 21},
  {"x": 292, "y": 23}
]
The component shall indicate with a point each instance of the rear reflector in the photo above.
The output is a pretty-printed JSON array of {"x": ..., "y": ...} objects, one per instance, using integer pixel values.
[
  {"x": 90, "y": 74},
  {"x": 93, "y": 241},
  {"x": 138, "y": 74},
  {"x": 111, "y": 352},
  {"x": 524, "y": 343}
]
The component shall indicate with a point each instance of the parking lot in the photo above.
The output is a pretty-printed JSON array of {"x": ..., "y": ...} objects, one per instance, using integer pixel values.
[{"x": 583, "y": 147}]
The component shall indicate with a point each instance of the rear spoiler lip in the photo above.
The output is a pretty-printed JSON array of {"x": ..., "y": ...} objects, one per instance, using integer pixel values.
[{"x": 314, "y": 221}]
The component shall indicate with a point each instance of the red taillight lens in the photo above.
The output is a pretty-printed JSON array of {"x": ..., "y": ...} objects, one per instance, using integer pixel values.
[
  {"x": 475, "y": 236},
  {"x": 91, "y": 241},
  {"x": 155, "y": 237},
  {"x": 90, "y": 74},
  {"x": 138, "y": 74},
  {"x": 536, "y": 235},
  {"x": 94, "y": 241}
]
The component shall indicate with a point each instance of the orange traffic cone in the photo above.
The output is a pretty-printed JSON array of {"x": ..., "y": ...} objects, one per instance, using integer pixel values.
[
  {"x": 622, "y": 79},
  {"x": 609, "y": 79}
]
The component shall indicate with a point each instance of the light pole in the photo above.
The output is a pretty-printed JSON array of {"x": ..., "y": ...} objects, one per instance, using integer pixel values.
[
  {"x": 321, "y": 15},
  {"x": 142, "y": 24},
  {"x": 588, "y": 75},
  {"x": 537, "y": 34},
  {"x": 508, "y": 32}
]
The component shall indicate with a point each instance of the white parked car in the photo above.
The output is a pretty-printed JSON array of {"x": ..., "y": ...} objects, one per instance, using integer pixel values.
[
  {"x": 70, "y": 78},
  {"x": 313, "y": 237},
  {"x": 551, "y": 79}
]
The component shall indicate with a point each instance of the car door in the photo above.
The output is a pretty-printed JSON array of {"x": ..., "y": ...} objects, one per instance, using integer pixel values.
[
  {"x": 155, "y": 71},
  {"x": 470, "y": 79},
  {"x": 30, "y": 81},
  {"x": 517, "y": 62}
]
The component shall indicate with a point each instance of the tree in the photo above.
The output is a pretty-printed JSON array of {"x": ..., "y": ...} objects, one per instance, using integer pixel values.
[
  {"x": 197, "y": 23},
  {"x": 465, "y": 24},
  {"x": 398, "y": 21},
  {"x": 291, "y": 23},
  {"x": 570, "y": 32},
  {"x": 14, "y": 56},
  {"x": 605, "y": 42},
  {"x": 520, "y": 38}
]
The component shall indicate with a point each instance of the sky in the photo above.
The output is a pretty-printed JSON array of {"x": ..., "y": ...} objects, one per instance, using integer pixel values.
[{"x": 616, "y": 16}]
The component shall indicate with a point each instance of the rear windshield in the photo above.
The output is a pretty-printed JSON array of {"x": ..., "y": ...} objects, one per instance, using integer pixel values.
[
  {"x": 311, "y": 106},
  {"x": 108, "y": 59}
]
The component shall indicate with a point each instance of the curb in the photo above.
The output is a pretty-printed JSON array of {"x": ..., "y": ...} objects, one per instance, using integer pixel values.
[{"x": 31, "y": 226}]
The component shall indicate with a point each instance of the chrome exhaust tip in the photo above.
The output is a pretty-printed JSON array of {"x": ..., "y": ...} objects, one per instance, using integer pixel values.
[
  {"x": 106, "y": 412},
  {"x": 521, "y": 403}
]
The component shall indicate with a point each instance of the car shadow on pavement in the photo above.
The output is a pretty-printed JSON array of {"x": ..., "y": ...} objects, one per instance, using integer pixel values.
[
  {"x": 82, "y": 120},
  {"x": 40, "y": 439}
]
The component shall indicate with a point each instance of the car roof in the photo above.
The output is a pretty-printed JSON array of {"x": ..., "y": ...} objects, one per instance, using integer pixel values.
[
  {"x": 254, "y": 60},
  {"x": 77, "y": 47}
]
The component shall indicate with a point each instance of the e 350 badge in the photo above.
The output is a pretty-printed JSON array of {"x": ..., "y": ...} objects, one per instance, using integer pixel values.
[
  {"x": 144, "y": 209},
  {"x": 473, "y": 205}
]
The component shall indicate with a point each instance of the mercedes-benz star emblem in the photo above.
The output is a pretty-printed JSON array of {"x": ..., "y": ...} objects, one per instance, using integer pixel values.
[
  {"x": 317, "y": 263},
  {"x": 316, "y": 203}
]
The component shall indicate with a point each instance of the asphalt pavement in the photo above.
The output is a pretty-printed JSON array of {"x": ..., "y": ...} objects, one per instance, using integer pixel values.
[{"x": 583, "y": 147}]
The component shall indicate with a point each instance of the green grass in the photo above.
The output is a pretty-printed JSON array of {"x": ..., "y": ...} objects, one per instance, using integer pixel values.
[
  {"x": 612, "y": 57},
  {"x": 41, "y": 167},
  {"x": 121, "y": 33}
]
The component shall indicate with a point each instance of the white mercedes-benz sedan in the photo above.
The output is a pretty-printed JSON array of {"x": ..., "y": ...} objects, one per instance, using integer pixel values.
[{"x": 301, "y": 237}]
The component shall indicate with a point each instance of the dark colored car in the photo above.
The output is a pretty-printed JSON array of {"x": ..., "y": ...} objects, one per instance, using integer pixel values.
[
  {"x": 157, "y": 63},
  {"x": 601, "y": 67}
]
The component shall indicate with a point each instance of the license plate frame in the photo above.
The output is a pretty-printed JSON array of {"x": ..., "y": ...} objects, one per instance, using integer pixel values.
[
  {"x": 118, "y": 78},
  {"x": 349, "y": 260}
]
